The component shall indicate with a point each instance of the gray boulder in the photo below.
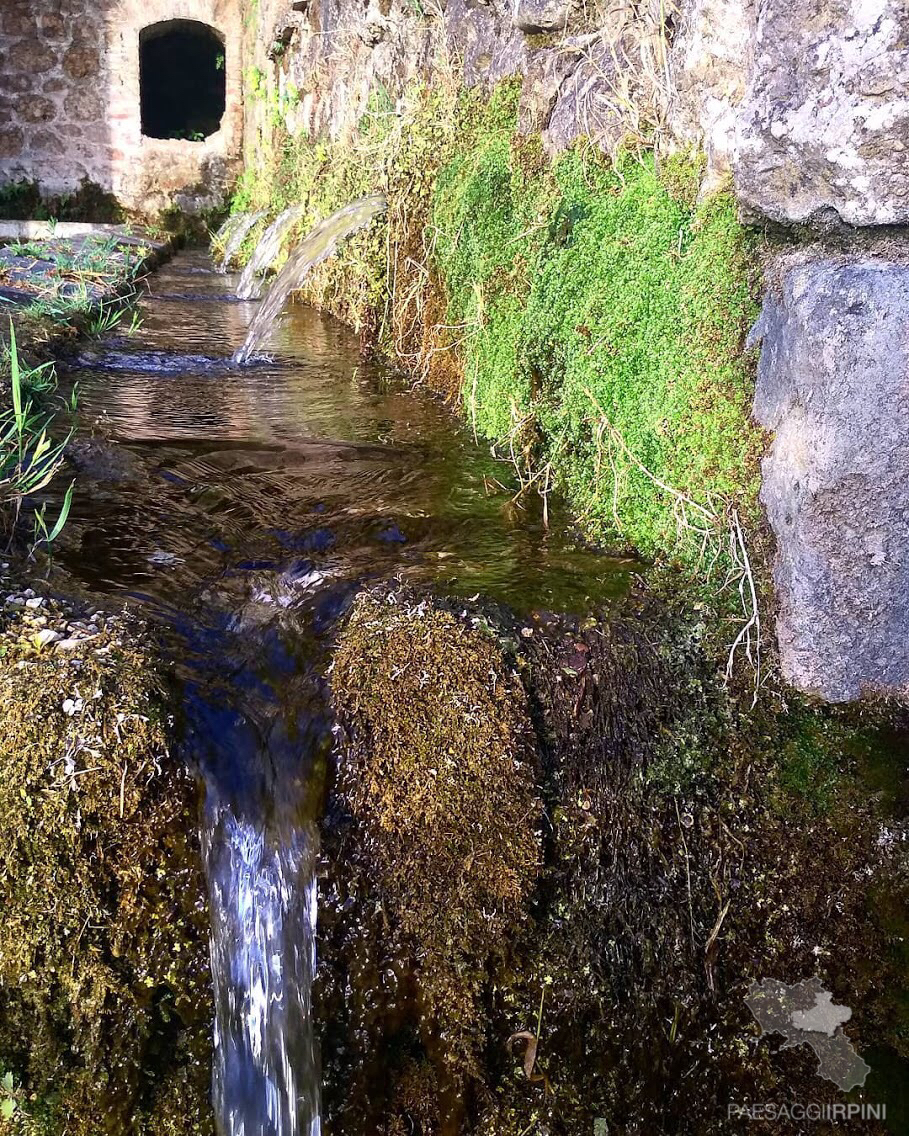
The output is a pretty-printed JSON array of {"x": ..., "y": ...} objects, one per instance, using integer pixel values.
[
  {"x": 833, "y": 386},
  {"x": 824, "y": 126}
]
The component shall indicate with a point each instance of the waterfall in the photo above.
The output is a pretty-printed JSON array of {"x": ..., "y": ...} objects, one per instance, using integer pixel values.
[
  {"x": 319, "y": 243},
  {"x": 235, "y": 234},
  {"x": 262, "y": 893},
  {"x": 257, "y": 742},
  {"x": 266, "y": 251}
]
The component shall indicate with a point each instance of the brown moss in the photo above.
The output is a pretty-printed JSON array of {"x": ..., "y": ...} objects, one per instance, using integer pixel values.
[
  {"x": 670, "y": 881},
  {"x": 415, "y": 1107},
  {"x": 104, "y": 991},
  {"x": 436, "y": 768}
]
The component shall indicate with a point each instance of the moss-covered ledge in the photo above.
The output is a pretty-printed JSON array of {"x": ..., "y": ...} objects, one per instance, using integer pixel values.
[
  {"x": 687, "y": 850},
  {"x": 105, "y": 1003}
]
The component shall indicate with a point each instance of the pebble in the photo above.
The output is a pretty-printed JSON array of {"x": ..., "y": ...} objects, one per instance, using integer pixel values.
[
  {"x": 72, "y": 706},
  {"x": 68, "y": 644},
  {"x": 46, "y": 636},
  {"x": 15, "y": 601},
  {"x": 34, "y": 603}
]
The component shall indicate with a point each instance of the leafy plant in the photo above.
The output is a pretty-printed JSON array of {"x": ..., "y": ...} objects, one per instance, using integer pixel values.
[
  {"x": 11, "y": 1103},
  {"x": 29, "y": 459},
  {"x": 256, "y": 83}
]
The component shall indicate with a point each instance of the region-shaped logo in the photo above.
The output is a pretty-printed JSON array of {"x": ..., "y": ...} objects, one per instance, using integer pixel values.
[{"x": 805, "y": 1014}]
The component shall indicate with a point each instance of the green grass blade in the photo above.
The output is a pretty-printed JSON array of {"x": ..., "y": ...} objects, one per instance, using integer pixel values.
[
  {"x": 15, "y": 379},
  {"x": 64, "y": 514}
]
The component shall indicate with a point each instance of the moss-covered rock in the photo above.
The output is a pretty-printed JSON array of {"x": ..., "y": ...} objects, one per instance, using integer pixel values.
[
  {"x": 682, "y": 859},
  {"x": 589, "y": 317},
  {"x": 104, "y": 988},
  {"x": 436, "y": 767}
]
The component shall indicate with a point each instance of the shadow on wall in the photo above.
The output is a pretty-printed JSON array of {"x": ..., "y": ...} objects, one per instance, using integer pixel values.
[{"x": 138, "y": 99}]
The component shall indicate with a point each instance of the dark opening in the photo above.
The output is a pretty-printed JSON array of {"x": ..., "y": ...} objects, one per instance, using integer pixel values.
[{"x": 182, "y": 80}]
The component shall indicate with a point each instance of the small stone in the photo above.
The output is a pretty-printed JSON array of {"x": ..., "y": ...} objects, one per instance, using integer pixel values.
[
  {"x": 15, "y": 601},
  {"x": 69, "y": 644},
  {"x": 35, "y": 602},
  {"x": 72, "y": 706},
  {"x": 534, "y": 17},
  {"x": 47, "y": 636}
]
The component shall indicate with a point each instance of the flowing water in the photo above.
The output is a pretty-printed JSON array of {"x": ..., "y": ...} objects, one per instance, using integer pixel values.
[
  {"x": 316, "y": 246},
  {"x": 266, "y": 251},
  {"x": 235, "y": 231},
  {"x": 241, "y": 509}
]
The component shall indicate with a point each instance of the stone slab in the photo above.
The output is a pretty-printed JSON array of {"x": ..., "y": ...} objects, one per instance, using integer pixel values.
[{"x": 833, "y": 387}]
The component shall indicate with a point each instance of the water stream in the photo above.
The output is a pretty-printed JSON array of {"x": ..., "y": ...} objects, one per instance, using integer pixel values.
[
  {"x": 234, "y": 232},
  {"x": 315, "y": 247},
  {"x": 241, "y": 509},
  {"x": 266, "y": 251}
]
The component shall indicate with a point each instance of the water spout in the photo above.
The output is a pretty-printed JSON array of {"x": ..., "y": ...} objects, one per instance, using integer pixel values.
[
  {"x": 235, "y": 235},
  {"x": 266, "y": 252},
  {"x": 320, "y": 243}
]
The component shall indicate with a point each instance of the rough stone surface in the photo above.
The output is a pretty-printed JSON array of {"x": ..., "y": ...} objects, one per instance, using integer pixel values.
[
  {"x": 586, "y": 68},
  {"x": 710, "y": 56},
  {"x": 824, "y": 126},
  {"x": 536, "y": 16},
  {"x": 72, "y": 69},
  {"x": 833, "y": 386}
]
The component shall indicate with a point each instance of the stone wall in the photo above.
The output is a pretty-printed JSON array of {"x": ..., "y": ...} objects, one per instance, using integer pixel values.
[
  {"x": 69, "y": 107},
  {"x": 582, "y": 65}
]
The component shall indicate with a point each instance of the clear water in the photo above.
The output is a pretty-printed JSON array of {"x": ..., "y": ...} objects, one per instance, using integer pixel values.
[
  {"x": 250, "y": 286},
  {"x": 315, "y": 247},
  {"x": 236, "y": 230},
  {"x": 241, "y": 508}
]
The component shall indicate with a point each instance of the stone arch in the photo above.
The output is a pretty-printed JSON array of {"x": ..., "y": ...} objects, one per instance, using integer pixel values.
[{"x": 189, "y": 167}]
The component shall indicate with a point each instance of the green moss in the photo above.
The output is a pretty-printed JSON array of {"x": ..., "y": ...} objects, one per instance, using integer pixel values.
[
  {"x": 436, "y": 767},
  {"x": 594, "y": 312},
  {"x": 104, "y": 999},
  {"x": 681, "y": 174},
  {"x": 621, "y": 338},
  {"x": 25, "y": 201},
  {"x": 812, "y": 760}
]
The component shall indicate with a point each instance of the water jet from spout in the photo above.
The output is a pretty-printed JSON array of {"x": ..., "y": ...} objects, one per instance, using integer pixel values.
[
  {"x": 235, "y": 234},
  {"x": 320, "y": 243},
  {"x": 266, "y": 252}
]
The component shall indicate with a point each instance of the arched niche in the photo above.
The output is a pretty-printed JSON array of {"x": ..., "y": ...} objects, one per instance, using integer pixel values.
[{"x": 182, "y": 80}]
